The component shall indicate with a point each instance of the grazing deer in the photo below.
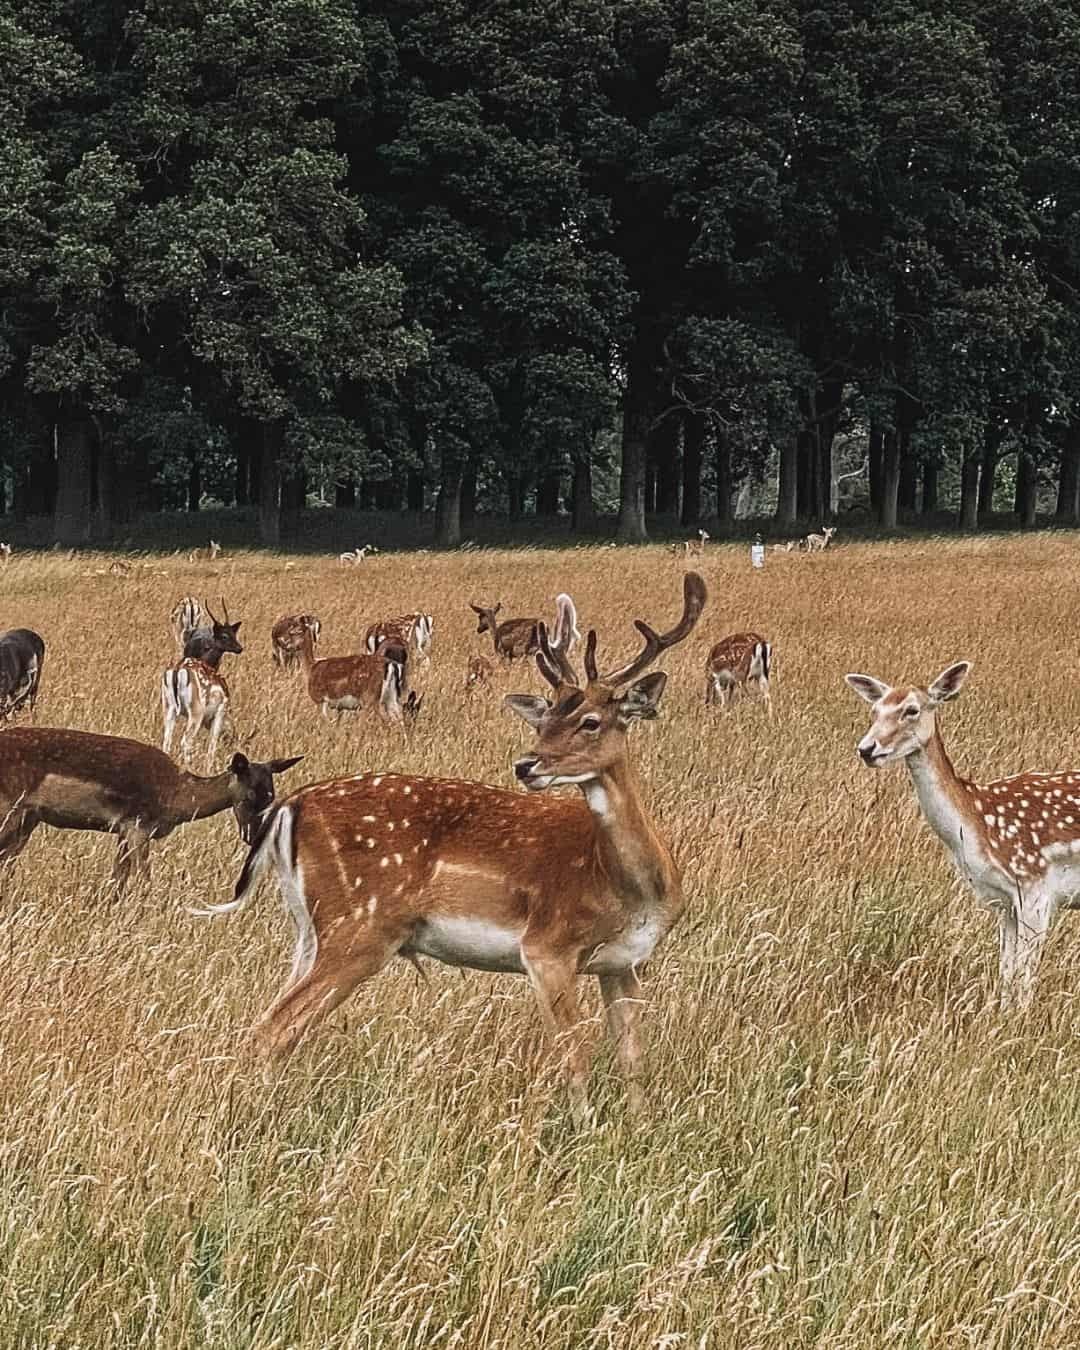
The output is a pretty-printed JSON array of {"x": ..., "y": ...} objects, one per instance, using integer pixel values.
[
  {"x": 209, "y": 644},
  {"x": 196, "y": 693},
  {"x": 22, "y": 654},
  {"x": 478, "y": 673},
  {"x": 516, "y": 638},
  {"x": 818, "y": 543},
  {"x": 287, "y": 638},
  {"x": 358, "y": 683},
  {"x": 1016, "y": 841},
  {"x": 382, "y": 865},
  {"x": 355, "y": 556},
  {"x": 74, "y": 780},
  {"x": 5, "y": 554},
  {"x": 411, "y": 630},
  {"x": 738, "y": 662},
  {"x": 187, "y": 615},
  {"x": 789, "y": 547},
  {"x": 208, "y": 554}
]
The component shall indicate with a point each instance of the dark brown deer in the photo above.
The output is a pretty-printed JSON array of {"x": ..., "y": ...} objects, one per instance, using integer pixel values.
[
  {"x": 75, "y": 780},
  {"x": 375, "y": 866},
  {"x": 22, "y": 655}
]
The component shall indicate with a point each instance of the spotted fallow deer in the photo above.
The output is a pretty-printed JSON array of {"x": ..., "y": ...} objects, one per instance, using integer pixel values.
[
  {"x": 411, "y": 630},
  {"x": 552, "y": 887},
  {"x": 186, "y": 617},
  {"x": 194, "y": 691},
  {"x": 1016, "y": 841},
  {"x": 516, "y": 638},
  {"x": 741, "y": 661},
  {"x": 359, "y": 683},
  {"x": 287, "y": 638},
  {"x": 74, "y": 780},
  {"x": 818, "y": 543}
]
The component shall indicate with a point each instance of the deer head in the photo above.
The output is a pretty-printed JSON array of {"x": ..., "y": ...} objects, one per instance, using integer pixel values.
[
  {"x": 224, "y": 632},
  {"x": 252, "y": 790},
  {"x": 487, "y": 614},
  {"x": 905, "y": 716},
  {"x": 581, "y": 733}
]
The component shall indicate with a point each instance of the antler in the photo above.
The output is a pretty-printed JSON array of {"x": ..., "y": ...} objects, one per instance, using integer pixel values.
[
  {"x": 209, "y": 611},
  {"x": 225, "y": 609},
  {"x": 655, "y": 643},
  {"x": 552, "y": 658}
]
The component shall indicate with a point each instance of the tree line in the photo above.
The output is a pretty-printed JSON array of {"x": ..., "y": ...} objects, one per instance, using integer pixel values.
[{"x": 538, "y": 256}]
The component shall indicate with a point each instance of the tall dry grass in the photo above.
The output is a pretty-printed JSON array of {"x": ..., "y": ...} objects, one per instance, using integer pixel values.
[{"x": 847, "y": 1146}]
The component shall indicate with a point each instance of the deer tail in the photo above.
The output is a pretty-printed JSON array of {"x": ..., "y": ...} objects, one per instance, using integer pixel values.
[{"x": 273, "y": 842}]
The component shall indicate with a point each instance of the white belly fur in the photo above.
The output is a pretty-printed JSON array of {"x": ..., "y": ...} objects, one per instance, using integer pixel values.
[
  {"x": 635, "y": 944},
  {"x": 468, "y": 942}
]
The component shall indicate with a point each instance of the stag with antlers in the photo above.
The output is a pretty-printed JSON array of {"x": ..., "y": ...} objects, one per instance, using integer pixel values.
[{"x": 383, "y": 865}]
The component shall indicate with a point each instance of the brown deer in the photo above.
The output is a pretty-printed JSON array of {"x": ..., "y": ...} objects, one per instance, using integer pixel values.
[
  {"x": 517, "y": 638},
  {"x": 22, "y": 656},
  {"x": 478, "y": 672},
  {"x": 74, "y": 780},
  {"x": 410, "y": 630},
  {"x": 287, "y": 638},
  {"x": 358, "y": 683},
  {"x": 741, "y": 661},
  {"x": 382, "y": 865},
  {"x": 194, "y": 690},
  {"x": 1015, "y": 841}
]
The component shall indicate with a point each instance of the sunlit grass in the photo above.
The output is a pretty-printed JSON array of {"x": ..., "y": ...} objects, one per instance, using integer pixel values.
[{"x": 846, "y": 1145}]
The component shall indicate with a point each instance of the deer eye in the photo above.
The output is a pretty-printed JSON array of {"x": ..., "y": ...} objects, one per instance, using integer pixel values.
[
  {"x": 909, "y": 713},
  {"x": 589, "y": 723}
]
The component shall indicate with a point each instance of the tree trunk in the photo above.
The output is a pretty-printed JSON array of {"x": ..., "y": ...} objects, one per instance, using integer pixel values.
[
  {"x": 294, "y": 485},
  {"x": 875, "y": 451},
  {"x": 515, "y": 491},
  {"x": 665, "y": 449},
  {"x": 345, "y": 493},
  {"x": 930, "y": 487},
  {"x": 107, "y": 476},
  {"x": 584, "y": 513},
  {"x": 194, "y": 484},
  {"x": 1068, "y": 498},
  {"x": 829, "y": 400},
  {"x": 71, "y": 518},
  {"x": 908, "y": 490},
  {"x": 693, "y": 443},
  {"x": 414, "y": 489},
  {"x": 787, "y": 487},
  {"x": 269, "y": 481},
  {"x": 988, "y": 477},
  {"x": 1027, "y": 482},
  {"x": 468, "y": 495},
  {"x": 890, "y": 480},
  {"x": 637, "y": 407},
  {"x": 547, "y": 495},
  {"x": 240, "y": 481},
  {"x": 448, "y": 508},
  {"x": 20, "y": 494},
  {"x": 725, "y": 516},
  {"x": 806, "y": 472},
  {"x": 970, "y": 491}
]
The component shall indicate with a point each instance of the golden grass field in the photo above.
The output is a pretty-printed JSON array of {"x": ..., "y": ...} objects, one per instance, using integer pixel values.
[{"x": 846, "y": 1144}]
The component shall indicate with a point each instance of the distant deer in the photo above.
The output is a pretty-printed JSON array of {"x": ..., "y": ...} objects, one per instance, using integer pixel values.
[
  {"x": 478, "y": 673},
  {"x": 75, "y": 780},
  {"x": 374, "y": 866},
  {"x": 741, "y": 661},
  {"x": 1015, "y": 841},
  {"x": 208, "y": 554},
  {"x": 411, "y": 630},
  {"x": 194, "y": 691},
  {"x": 358, "y": 683},
  {"x": 789, "y": 547},
  {"x": 818, "y": 543},
  {"x": 22, "y": 655},
  {"x": 5, "y": 554},
  {"x": 353, "y": 557},
  {"x": 287, "y": 638},
  {"x": 691, "y": 548},
  {"x": 517, "y": 638},
  {"x": 187, "y": 615}
]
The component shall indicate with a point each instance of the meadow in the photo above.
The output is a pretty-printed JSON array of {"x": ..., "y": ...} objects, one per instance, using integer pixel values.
[{"x": 846, "y": 1144}]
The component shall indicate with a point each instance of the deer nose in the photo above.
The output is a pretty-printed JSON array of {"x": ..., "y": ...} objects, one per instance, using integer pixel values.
[
  {"x": 523, "y": 767},
  {"x": 867, "y": 752}
]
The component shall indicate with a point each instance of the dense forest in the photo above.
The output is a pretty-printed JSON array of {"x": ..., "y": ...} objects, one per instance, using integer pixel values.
[{"x": 539, "y": 256}]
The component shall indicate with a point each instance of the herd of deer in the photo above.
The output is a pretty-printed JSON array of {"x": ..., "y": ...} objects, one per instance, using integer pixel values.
[{"x": 374, "y": 866}]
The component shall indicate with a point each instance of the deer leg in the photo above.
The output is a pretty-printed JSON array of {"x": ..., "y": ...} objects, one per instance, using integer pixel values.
[
  {"x": 15, "y": 829},
  {"x": 1006, "y": 954},
  {"x": 622, "y": 999},
  {"x": 553, "y": 981},
  {"x": 215, "y": 732},
  {"x": 1033, "y": 919}
]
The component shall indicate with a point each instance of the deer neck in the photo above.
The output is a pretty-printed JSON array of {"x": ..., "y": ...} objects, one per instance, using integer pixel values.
[
  {"x": 307, "y": 651},
  {"x": 194, "y": 798},
  {"x": 630, "y": 853},
  {"x": 943, "y": 795}
]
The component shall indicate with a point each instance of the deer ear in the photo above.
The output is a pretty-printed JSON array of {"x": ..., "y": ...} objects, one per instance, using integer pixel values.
[
  {"x": 867, "y": 688},
  {"x": 475, "y": 608},
  {"x": 239, "y": 765},
  {"x": 641, "y": 700},
  {"x": 528, "y": 706},
  {"x": 280, "y": 765},
  {"x": 949, "y": 683}
]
